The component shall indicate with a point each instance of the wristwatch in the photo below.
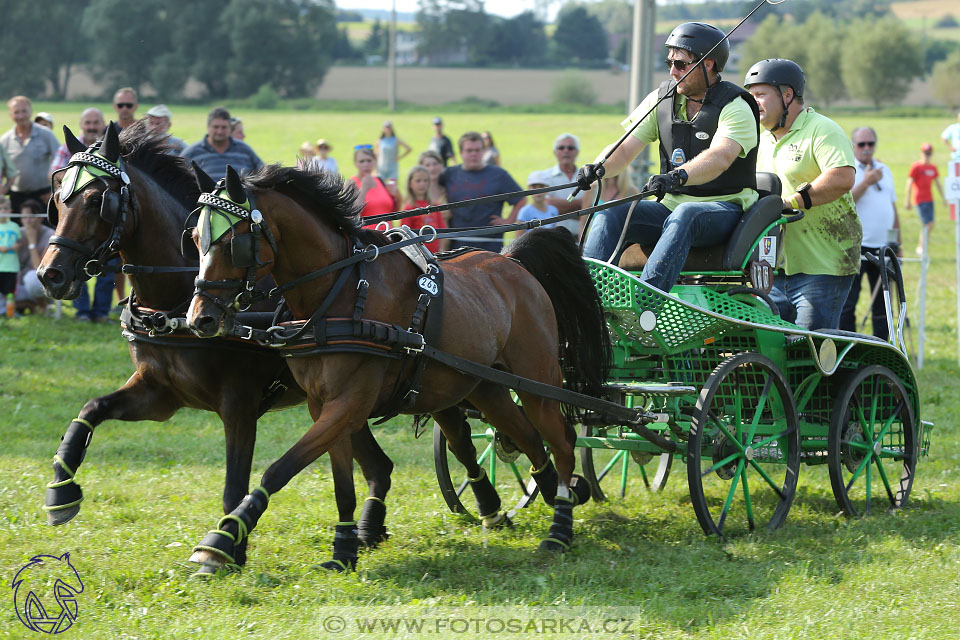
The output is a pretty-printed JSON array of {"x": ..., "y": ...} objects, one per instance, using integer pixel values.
[
  {"x": 804, "y": 191},
  {"x": 31, "y": 247}
]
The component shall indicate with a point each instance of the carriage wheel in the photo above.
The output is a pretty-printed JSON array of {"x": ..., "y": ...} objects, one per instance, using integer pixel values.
[
  {"x": 615, "y": 472},
  {"x": 744, "y": 447},
  {"x": 872, "y": 444},
  {"x": 507, "y": 468}
]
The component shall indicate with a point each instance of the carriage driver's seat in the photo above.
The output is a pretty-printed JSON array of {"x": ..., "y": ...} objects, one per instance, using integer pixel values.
[{"x": 743, "y": 243}]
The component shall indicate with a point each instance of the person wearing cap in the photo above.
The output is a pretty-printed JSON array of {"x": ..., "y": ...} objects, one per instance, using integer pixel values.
[
  {"x": 158, "y": 119},
  {"x": 539, "y": 209},
  {"x": 708, "y": 130},
  {"x": 441, "y": 143},
  {"x": 951, "y": 137},
  {"x": 31, "y": 148},
  {"x": 922, "y": 174},
  {"x": 876, "y": 198},
  {"x": 814, "y": 160},
  {"x": 389, "y": 150},
  {"x": 44, "y": 119},
  {"x": 321, "y": 161},
  {"x": 566, "y": 147},
  {"x": 218, "y": 148}
]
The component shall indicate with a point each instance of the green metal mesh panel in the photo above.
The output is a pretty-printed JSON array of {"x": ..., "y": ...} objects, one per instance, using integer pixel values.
[{"x": 679, "y": 326}]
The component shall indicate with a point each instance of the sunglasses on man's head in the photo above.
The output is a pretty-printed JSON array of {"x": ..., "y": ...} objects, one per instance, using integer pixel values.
[
  {"x": 566, "y": 147},
  {"x": 125, "y": 105},
  {"x": 363, "y": 146},
  {"x": 867, "y": 143},
  {"x": 680, "y": 65}
]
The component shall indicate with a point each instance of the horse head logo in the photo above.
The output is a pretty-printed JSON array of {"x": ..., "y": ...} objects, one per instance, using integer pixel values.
[{"x": 45, "y": 592}]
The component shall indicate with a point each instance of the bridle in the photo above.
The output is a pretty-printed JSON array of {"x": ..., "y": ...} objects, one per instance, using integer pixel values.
[
  {"x": 244, "y": 247},
  {"x": 84, "y": 168}
]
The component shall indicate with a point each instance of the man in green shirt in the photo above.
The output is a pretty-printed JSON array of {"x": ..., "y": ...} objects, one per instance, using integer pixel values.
[
  {"x": 708, "y": 131},
  {"x": 814, "y": 159}
]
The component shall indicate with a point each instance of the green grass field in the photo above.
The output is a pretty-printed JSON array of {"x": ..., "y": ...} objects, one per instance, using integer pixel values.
[{"x": 153, "y": 490}]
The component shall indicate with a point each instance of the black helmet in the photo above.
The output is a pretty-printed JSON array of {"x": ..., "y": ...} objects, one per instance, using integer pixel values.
[
  {"x": 777, "y": 72},
  {"x": 698, "y": 38}
]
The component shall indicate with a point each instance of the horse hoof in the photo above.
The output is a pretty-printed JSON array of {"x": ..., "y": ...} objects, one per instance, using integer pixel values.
[
  {"x": 499, "y": 520},
  {"x": 62, "y": 516},
  {"x": 211, "y": 564},
  {"x": 372, "y": 541},
  {"x": 552, "y": 546},
  {"x": 338, "y": 566}
]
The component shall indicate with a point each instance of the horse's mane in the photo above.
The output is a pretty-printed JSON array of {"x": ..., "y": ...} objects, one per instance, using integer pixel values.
[
  {"x": 327, "y": 196},
  {"x": 149, "y": 151}
]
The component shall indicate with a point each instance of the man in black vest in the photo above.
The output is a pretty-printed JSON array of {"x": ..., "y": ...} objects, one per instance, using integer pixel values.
[{"x": 708, "y": 131}]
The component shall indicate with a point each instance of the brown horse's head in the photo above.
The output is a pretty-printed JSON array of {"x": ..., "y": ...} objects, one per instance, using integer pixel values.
[
  {"x": 236, "y": 248},
  {"x": 85, "y": 209}
]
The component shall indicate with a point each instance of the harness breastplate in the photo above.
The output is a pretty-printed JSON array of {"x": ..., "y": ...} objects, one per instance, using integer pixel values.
[{"x": 695, "y": 136}]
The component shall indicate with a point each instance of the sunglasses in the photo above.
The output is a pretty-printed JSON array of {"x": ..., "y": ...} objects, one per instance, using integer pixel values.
[
  {"x": 680, "y": 65},
  {"x": 869, "y": 143},
  {"x": 125, "y": 105},
  {"x": 363, "y": 146},
  {"x": 565, "y": 147}
]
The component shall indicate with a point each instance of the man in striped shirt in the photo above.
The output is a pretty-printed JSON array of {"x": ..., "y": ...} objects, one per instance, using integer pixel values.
[{"x": 218, "y": 149}]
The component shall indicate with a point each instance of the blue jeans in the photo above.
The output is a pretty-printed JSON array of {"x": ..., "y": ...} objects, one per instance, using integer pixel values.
[
  {"x": 102, "y": 297},
  {"x": 811, "y": 301},
  {"x": 691, "y": 224}
]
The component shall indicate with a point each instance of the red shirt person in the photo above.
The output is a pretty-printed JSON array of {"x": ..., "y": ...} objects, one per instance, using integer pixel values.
[
  {"x": 418, "y": 185},
  {"x": 378, "y": 196},
  {"x": 923, "y": 174}
]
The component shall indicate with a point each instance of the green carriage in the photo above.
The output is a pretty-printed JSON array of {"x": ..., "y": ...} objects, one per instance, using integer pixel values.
[{"x": 744, "y": 397}]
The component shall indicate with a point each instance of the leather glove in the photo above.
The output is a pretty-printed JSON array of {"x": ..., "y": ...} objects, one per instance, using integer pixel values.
[
  {"x": 588, "y": 174},
  {"x": 664, "y": 183}
]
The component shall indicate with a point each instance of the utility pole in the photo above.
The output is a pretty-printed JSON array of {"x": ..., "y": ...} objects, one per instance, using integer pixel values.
[
  {"x": 392, "y": 61},
  {"x": 641, "y": 71}
]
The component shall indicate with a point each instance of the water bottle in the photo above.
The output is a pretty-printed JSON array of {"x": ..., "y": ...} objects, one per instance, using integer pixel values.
[{"x": 11, "y": 307}]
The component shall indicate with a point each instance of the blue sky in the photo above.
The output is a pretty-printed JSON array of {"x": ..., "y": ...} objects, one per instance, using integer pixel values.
[{"x": 507, "y": 8}]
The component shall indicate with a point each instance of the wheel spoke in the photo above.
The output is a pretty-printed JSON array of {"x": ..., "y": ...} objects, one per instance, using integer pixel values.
[
  {"x": 736, "y": 442},
  {"x": 769, "y": 481},
  {"x": 610, "y": 464},
  {"x": 888, "y": 423},
  {"x": 854, "y": 444},
  {"x": 761, "y": 404},
  {"x": 722, "y": 463},
  {"x": 730, "y": 494},
  {"x": 746, "y": 500},
  {"x": 869, "y": 486},
  {"x": 856, "y": 474},
  {"x": 462, "y": 487},
  {"x": 623, "y": 477},
  {"x": 886, "y": 483},
  {"x": 778, "y": 436},
  {"x": 520, "y": 481}
]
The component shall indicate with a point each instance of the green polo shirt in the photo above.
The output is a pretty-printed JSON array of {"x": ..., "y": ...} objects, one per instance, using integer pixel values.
[
  {"x": 736, "y": 122},
  {"x": 827, "y": 240}
]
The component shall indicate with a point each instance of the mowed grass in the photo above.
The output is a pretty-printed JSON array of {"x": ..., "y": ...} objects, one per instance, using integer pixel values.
[{"x": 153, "y": 490}]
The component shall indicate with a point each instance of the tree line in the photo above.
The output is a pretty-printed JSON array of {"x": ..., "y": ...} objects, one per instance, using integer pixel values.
[{"x": 232, "y": 47}]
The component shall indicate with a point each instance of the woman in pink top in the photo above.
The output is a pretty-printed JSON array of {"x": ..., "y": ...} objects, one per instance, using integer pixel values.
[{"x": 378, "y": 196}]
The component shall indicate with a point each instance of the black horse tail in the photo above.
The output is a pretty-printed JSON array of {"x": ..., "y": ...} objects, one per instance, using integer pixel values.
[{"x": 553, "y": 258}]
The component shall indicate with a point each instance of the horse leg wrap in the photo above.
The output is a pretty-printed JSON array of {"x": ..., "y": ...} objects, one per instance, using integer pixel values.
[
  {"x": 224, "y": 543},
  {"x": 488, "y": 502},
  {"x": 580, "y": 488},
  {"x": 546, "y": 478},
  {"x": 345, "y": 546},
  {"x": 64, "y": 492},
  {"x": 371, "y": 529},
  {"x": 561, "y": 531}
]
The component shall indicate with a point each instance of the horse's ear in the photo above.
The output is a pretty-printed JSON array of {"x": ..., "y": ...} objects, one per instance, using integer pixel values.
[
  {"x": 204, "y": 181},
  {"x": 235, "y": 186},
  {"x": 110, "y": 149},
  {"x": 73, "y": 145}
]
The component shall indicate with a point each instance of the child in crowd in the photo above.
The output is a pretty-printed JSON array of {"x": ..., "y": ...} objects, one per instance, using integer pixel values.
[
  {"x": 538, "y": 209},
  {"x": 9, "y": 258},
  {"x": 418, "y": 184}
]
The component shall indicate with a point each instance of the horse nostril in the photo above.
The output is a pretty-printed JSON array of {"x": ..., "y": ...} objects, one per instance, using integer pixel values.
[
  {"x": 206, "y": 325},
  {"x": 51, "y": 277}
]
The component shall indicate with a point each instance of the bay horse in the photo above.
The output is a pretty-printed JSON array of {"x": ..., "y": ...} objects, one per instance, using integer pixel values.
[
  {"x": 520, "y": 312},
  {"x": 228, "y": 377}
]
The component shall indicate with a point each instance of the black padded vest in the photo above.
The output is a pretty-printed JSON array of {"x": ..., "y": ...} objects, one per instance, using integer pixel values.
[{"x": 695, "y": 136}]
